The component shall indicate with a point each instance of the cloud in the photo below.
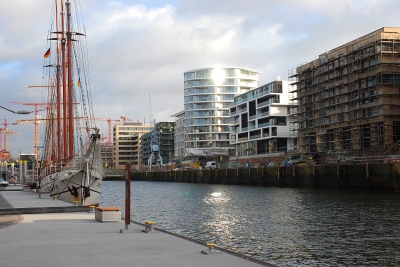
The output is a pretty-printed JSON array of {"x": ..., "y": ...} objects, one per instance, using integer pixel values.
[{"x": 137, "y": 49}]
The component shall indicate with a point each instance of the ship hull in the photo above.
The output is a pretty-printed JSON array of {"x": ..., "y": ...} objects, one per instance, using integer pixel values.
[{"x": 80, "y": 186}]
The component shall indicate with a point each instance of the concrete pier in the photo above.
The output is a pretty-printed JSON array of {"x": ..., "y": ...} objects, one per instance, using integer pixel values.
[{"x": 70, "y": 238}]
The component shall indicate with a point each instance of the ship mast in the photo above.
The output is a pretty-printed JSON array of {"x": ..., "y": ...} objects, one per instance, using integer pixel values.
[
  {"x": 64, "y": 82},
  {"x": 70, "y": 87},
  {"x": 58, "y": 89}
]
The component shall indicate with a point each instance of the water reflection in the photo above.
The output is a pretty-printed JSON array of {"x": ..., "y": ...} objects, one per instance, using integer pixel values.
[{"x": 290, "y": 227}]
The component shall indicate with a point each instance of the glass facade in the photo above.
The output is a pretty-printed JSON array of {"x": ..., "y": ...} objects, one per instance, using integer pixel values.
[{"x": 208, "y": 95}]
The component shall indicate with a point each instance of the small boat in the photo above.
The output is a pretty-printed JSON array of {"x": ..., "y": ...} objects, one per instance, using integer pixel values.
[{"x": 70, "y": 167}]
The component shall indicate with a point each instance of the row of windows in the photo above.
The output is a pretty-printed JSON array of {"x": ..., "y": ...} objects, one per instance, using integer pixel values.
[
  {"x": 207, "y": 121},
  {"x": 134, "y": 128},
  {"x": 208, "y": 98},
  {"x": 207, "y": 113},
  {"x": 341, "y": 117},
  {"x": 217, "y": 105}
]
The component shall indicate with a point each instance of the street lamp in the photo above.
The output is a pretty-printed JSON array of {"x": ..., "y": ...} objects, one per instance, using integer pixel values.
[{"x": 22, "y": 112}]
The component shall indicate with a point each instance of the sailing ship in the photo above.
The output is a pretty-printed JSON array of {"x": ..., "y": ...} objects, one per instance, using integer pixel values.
[{"x": 71, "y": 168}]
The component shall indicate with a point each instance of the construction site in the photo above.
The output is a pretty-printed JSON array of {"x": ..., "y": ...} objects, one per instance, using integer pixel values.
[{"x": 345, "y": 105}]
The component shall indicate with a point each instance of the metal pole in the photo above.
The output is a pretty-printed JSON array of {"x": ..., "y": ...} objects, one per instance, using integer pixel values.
[
  {"x": 127, "y": 195},
  {"x": 127, "y": 199}
]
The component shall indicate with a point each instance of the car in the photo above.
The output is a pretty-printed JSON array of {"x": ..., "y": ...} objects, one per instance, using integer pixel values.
[
  {"x": 3, "y": 183},
  {"x": 211, "y": 165}
]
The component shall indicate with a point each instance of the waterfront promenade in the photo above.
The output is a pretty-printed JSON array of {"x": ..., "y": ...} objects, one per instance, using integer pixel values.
[{"x": 76, "y": 238}]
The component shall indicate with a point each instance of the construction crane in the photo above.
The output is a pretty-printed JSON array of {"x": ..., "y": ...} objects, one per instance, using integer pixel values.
[
  {"x": 1, "y": 137},
  {"x": 154, "y": 144},
  {"x": 5, "y": 124},
  {"x": 125, "y": 119},
  {"x": 35, "y": 122},
  {"x": 109, "y": 121},
  {"x": 6, "y": 133}
]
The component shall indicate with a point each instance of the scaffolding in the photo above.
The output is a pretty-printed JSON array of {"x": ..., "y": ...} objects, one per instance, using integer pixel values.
[{"x": 348, "y": 99}]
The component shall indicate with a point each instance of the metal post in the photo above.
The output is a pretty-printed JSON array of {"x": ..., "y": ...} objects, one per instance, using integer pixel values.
[
  {"x": 20, "y": 172},
  {"x": 25, "y": 170},
  {"x": 127, "y": 198},
  {"x": 127, "y": 195}
]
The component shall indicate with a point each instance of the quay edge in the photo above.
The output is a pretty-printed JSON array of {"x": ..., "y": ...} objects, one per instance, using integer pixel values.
[{"x": 371, "y": 177}]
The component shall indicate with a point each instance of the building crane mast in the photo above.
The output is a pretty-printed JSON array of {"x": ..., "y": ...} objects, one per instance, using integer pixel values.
[
  {"x": 154, "y": 144},
  {"x": 6, "y": 133},
  {"x": 1, "y": 137}
]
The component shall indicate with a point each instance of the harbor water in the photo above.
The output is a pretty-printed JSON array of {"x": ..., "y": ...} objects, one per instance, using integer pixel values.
[{"x": 284, "y": 226}]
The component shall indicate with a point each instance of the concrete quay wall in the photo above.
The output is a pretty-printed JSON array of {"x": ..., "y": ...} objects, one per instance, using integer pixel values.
[{"x": 374, "y": 177}]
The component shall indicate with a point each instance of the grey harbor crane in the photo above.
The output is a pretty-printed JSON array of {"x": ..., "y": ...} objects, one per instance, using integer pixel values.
[{"x": 155, "y": 155}]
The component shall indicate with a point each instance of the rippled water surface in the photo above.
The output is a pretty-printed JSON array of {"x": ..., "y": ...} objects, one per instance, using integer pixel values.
[{"x": 285, "y": 226}]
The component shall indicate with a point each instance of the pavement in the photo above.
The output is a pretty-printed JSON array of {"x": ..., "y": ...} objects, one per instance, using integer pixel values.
[{"x": 70, "y": 238}]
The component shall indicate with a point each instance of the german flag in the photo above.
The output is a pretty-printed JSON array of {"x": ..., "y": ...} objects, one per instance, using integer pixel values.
[{"x": 47, "y": 54}]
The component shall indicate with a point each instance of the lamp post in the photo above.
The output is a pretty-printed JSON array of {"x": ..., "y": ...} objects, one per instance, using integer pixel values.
[{"x": 22, "y": 112}]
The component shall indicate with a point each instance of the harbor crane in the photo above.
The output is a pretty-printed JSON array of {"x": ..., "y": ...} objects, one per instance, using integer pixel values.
[{"x": 154, "y": 144}]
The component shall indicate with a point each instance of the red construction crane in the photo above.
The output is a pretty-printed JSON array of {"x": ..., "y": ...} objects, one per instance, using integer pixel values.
[
  {"x": 109, "y": 121},
  {"x": 124, "y": 119}
]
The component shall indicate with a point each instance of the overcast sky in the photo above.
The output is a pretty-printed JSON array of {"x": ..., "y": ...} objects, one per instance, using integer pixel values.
[{"x": 137, "y": 48}]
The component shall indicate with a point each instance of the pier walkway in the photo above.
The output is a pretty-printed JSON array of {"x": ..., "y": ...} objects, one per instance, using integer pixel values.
[{"x": 77, "y": 239}]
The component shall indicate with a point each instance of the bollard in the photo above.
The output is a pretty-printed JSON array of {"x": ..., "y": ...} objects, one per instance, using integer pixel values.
[
  {"x": 92, "y": 209},
  {"x": 149, "y": 227},
  {"x": 211, "y": 250}
]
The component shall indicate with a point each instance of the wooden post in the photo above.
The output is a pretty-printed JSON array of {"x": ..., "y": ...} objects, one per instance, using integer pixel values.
[{"x": 127, "y": 195}]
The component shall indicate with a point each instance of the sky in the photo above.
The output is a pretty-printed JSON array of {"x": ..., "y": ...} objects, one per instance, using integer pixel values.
[{"x": 139, "y": 49}]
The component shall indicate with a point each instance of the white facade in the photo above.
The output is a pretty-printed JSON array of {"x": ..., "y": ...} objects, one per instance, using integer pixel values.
[
  {"x": 260, "y": 121},
  {"x": 208, "y": 95}
]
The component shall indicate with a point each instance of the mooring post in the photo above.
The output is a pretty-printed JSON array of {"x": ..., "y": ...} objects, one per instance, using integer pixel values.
[{"x": 127, "y": 197}]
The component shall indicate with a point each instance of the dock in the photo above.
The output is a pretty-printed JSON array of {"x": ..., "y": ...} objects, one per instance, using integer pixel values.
[{"x": 47, "y": 232}]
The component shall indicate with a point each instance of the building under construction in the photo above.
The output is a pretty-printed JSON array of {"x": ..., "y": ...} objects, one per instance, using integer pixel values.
[{"x": 346, "y": 103}]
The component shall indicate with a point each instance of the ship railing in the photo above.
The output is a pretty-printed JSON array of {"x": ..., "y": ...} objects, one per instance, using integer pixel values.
[{"x": 76, "y": 163}]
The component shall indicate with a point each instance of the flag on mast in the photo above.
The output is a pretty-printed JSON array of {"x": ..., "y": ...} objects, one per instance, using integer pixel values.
[{"x": 47, "y": 54}]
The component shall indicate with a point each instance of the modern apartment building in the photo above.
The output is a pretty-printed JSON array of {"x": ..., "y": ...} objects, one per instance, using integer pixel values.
[
  {"x": 260, "y": 122},
  {"x": 349, "y": 98},
  {"x": 127, "y": 144},
  {"x": 204, "y": 125},
  {"x": 165, "y": 132}
]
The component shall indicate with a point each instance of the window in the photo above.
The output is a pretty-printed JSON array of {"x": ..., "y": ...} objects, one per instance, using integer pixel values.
[
  {"x": 332, "y": 119},
  {"x": 341, "y": 89},
  {"x": 324, "y": 120}
]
